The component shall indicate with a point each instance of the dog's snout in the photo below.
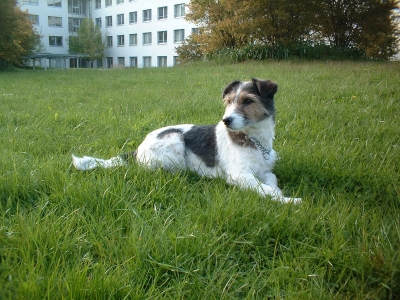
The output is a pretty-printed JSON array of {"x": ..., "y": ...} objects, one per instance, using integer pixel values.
[{"x": 227, "y": 121}]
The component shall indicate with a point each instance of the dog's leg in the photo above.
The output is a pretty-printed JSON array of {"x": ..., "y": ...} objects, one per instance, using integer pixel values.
[
  {"x": 275, "y": 193},
  {"x": 271, "y": 180},
  {"x": 269, "y": 188},
  {"x": 250, "y": 181},
  {"x": 90, "y": 163}
]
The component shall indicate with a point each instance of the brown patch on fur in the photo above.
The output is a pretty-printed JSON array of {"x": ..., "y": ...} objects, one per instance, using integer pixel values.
[
  {"x": 229, "y": 98},
  {"x": 241, "y": 139},
  {"x": 251, "y": 106}
]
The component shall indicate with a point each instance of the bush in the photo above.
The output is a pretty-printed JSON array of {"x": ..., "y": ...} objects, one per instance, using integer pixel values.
[
  {"x": 295, "y": 51},
  {"x": 189, "y": 51}
]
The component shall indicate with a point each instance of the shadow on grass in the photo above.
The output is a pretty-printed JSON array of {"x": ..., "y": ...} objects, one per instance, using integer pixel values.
[{"x": 308, "y": 179}]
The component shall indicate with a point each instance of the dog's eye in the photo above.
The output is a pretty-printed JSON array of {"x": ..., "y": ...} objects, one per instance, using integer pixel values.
[{"x": 247, "y": 101}]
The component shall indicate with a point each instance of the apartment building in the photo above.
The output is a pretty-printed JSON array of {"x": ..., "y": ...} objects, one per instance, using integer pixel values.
[
  {"x": 396, "y": 15},
  {"x": 138, "y": 33}
]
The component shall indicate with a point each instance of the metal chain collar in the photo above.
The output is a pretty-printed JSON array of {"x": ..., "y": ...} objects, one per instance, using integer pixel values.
[{"x": 265, "y": 152}]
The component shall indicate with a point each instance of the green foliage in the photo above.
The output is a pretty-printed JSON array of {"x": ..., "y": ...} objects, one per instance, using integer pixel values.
[
  {"x": 364, "y": 24},
  {"x": 88, "y": 42},
  {"x": 134, "y": 234},
  {"x": 189, "y": 51},
  {"x": 292, "y": 52},
  {"x": 17, "y": 35},
  {"x": 74, "y": 45}
]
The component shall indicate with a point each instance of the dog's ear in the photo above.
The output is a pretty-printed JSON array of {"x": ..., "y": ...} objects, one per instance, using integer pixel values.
[
  {"x": 229, "y": 88},
  {"x": 267, "y": 88}
]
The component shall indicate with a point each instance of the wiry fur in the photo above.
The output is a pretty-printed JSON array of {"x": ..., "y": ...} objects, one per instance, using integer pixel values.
[{"x": 238, "y": 148}]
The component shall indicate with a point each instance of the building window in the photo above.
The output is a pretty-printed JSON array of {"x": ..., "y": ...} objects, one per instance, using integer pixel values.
[
  {"x": 120, "y": 19},
  {"x": 162, "y": 13},
  {"x": 98, "y": 4},
  {"x": 56, "y": 41},
  {"x": 162, "y": 37},
  {"x": 109, "y": 41},
  {"x": 120, "y": 40},
  {"x": 147, "y": 38},
  {"x": 179, "y": 10},
  {"x": 176, "y": 60},
  {"x": 133, "y": 17},
  {"x": 179, "y": 35},
  {"x": 121, "y": 61},
  {"x": 195, "y": 31},
  {"x": 133, "y": 61},
  {"x": 74, "y": 24},
  {"x": 34, "y": 19},
  {"x": 108, "y": 3},
  {"x": 147, "y": 61},
  {"x": 77, "y": 7},
  {"x": 161, "y": 61},
  {"x": 55, "y": 3},
  {"x": 133, "y": 39},
  {"x": 147, "y": 15},
  {"x": 120, "y": 1},
  {"x": 98, "y": 22},
  {"x": 108, "y": 21},
  {"x": 30, "y": 2},
  {"x": 109, "y": 62},
  {"x": 55, "y": 21}
]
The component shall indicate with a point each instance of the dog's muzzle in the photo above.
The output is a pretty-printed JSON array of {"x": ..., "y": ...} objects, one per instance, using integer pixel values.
[{"x": 227, "y": 121}]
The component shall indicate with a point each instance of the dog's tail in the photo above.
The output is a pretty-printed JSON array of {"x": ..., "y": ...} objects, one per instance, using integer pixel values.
[{"x": 89, "y": 163}]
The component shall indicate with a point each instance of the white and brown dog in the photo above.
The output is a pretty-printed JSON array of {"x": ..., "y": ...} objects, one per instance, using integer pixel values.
[{"x": 238, "y": 148}]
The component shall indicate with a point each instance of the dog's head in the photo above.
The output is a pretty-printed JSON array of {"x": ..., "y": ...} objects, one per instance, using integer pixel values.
[{"x": 248, "y": 103}]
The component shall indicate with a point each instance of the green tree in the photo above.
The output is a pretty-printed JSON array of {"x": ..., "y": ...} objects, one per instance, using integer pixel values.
[
  {"x": 18, "y": 38},
  {"x": 89, "y": 41},
  {"x": 367, "y": 25}
]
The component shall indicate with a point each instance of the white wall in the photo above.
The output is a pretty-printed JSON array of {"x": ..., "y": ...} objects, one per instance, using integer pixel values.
[
  {"x": 44, "y": 12},
  {"x": 154, "y": 50}
]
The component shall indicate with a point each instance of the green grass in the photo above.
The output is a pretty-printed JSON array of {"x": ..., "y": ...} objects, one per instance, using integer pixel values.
[{"x": 127, "y": 233}]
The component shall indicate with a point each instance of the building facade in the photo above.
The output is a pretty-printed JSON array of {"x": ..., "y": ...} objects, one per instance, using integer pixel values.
[
  {"x": 396, "y": 15},
  {"x": 137, "y": 33}
]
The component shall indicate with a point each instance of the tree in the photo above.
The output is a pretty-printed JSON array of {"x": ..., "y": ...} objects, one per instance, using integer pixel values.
[
  {"x": 217, "y": 21},
  {"x": 18, "y": 38},
  {"x": 234, "y": 24},
  {"x": 367, "y": 25},
  {"x": 340, "y": 24},
  {"x": 88, "y": 42}
]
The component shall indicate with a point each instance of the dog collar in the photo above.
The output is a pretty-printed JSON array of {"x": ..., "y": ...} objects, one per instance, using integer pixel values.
[{"x": 265, "y": 152}]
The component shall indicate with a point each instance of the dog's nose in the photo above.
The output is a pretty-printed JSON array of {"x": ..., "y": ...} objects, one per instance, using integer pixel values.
[{"x": 227, "y": 121}]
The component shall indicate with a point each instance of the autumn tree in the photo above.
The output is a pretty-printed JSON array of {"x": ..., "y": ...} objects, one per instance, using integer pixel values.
[
  {"x": 336, "y": 23},
  {"x": 18, "y": 38},
  {"x": 236, "y": 23},
  {"x": 218, "y": 24},
  {"x": 88, "y": 42}
]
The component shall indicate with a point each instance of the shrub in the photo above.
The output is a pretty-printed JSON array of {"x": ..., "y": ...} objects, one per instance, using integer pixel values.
[{"x": 295, "y": 51}]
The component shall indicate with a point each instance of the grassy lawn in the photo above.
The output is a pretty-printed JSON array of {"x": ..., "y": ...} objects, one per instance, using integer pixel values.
[{"x": 127, "y": 233}]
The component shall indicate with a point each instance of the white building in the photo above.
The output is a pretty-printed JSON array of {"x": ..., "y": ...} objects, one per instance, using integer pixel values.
[
  {"x": 396, "y": 15},
  {"x": 138, "y": 33}
]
